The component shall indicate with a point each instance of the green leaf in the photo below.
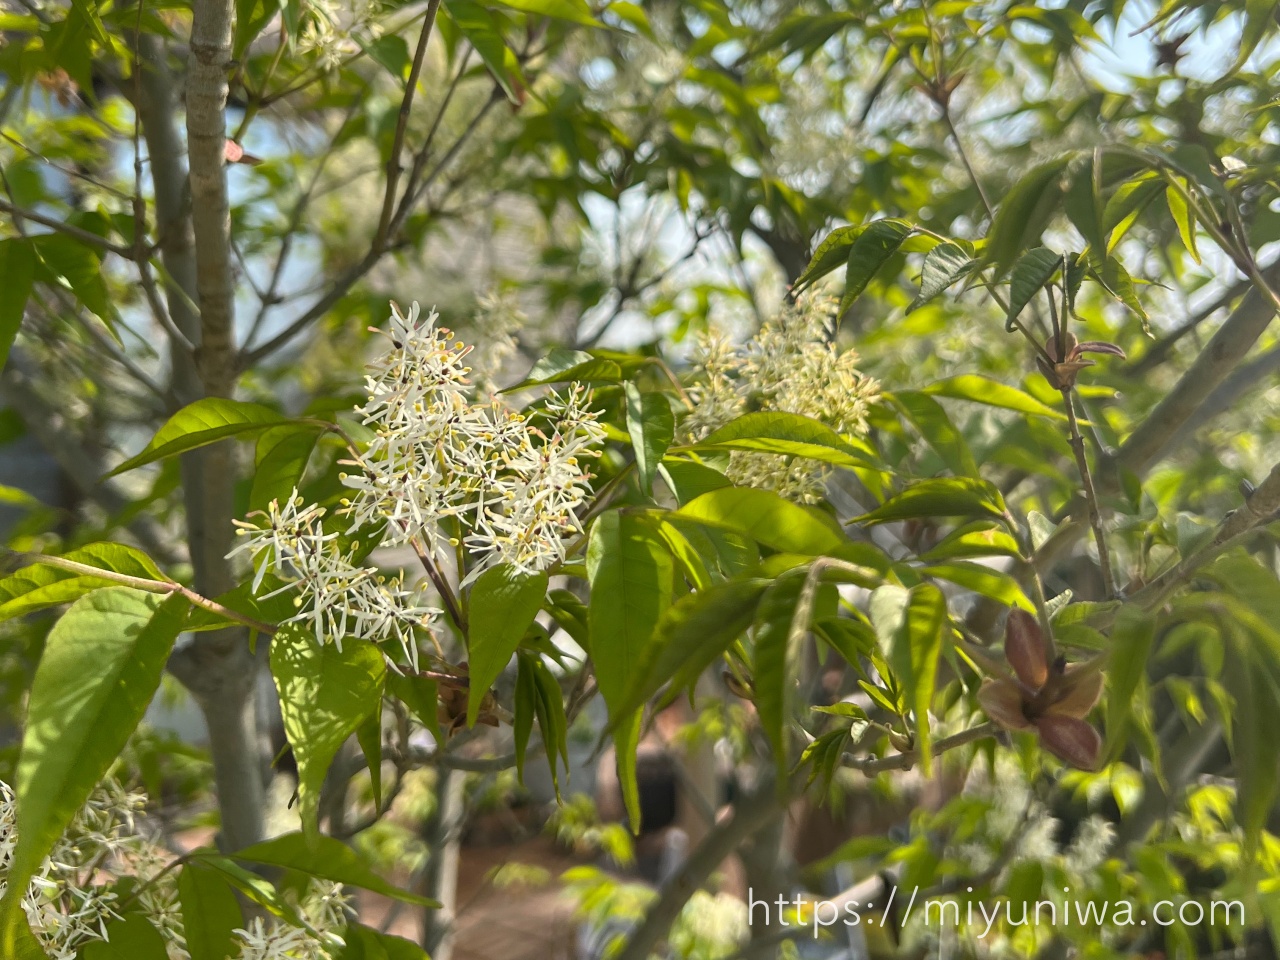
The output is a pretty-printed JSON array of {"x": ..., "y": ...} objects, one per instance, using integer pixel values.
[
  {"x": 781, "y": 625},
  {"x": 942, "y": 497},
  {"x": 567, "y": 366},
  {"x": 101, "y": 666},
  {"x": 1259, "y": 15},
  {"x": 1184, "y": 219},
  {"x": 631, "y": 575},
  {"x": 41, "y": 585},
  {"x": 912, "y": 626},
  {"x": 1033, "y": 270},
  {"x": 548, "y": 703},
  {"x": 75, "y": 266},
  {"x": 652, "y": 426},
  {"x": 768, "y": 519},
  {"x": 365, "y": 943},
  {"x": 691, "y": 634},
  {"x": 575, "y": 11},
  {"x": 1025, "y": 212},
  {"x": 203, "y": 422},
  {"x": 1117, "y": 282},
  {"x": 943, "y": 265},
  {"x": 369, "y": 736},
  {"x": 688, "y": 480},
  {"x": 482, "y": 31},
  {"x": 17, "y": 266},
  {"x": 251, "y": 17},
  {"x": 996, "y": 584},
  {"x": 982, "y": 538},
  {"x": 254, "y": 887},
  {"x": 421, "y": 696},
  {"x": 870, "y": 251},
  {"x": 210, "y": 911},
  {"x": 1132, "y": 638},
  {"x": 327, "y": 858},
  {"x": 504, "y": 602},
  {"x": 992, "y": 393},
  {"x": 129, "y": 937},
  {"x": 786, "y": 434},
  {"x": 832, "y": 253},
  {"x": 325, "y": 695},
  {"x": 281, "y": 460},
  {"x": 933, "y": 424}
]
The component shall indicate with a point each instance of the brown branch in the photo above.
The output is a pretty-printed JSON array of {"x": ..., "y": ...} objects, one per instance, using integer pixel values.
[
  {"x": 1090, "y": 494},
  {"x": 908, "y": 759},
  {"x": 77, "y": 233}
]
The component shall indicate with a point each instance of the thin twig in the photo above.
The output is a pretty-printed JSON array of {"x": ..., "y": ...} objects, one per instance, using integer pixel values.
[
  {"x": 908, "y": 759},
  {"x": 1090, "y": 495},
  {"x": 53, "y": 223}
]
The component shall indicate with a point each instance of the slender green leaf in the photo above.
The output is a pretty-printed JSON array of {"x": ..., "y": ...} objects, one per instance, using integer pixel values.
[
  {"x": 786, "y": 434},
  {"x": 1184, "y": 219},
  {"x": 652, "y": 426},
  {"x": 994, "y": 584},
  {"x": 210, "y": 911},
  {"x": 17, "y": 266},
  {"x": 203, "y": 422},
  {"x": 1032, "y": 271},
  {"x": 912, "y": 626},
  {"x": 782, "y": 622},
  {"x": 1132, "y": 638},
  {"x": 327, "y": 858},
  {"x": 691, "y": 634},
  {"x": 871, "y": 251},
  {"x": 943, "y": 497},
  {"x": 504, "y": 602},
  {"x": 575, "y": 11},
  {"x": 933, "y": 424},
  {"x": 943, "y": 265},
  {"x": 993, "y": 393},
  {"x": 101, "y": 665},
  {"x": 41, "y": 585},
  {"x": 832, "y": 253},
  {"x": 282, "y": 456},
  {"x": 631, "y": 575},
  {"x": 768, "y": 519}
]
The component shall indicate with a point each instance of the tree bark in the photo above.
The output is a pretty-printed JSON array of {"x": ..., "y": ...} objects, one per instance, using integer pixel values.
[
  {"x": 443, "y": 834},
  {"x": 193, "y": 227}
]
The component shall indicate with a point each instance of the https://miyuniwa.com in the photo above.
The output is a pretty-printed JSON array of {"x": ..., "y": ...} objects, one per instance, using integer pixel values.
[{"x": 980, "y": 918}]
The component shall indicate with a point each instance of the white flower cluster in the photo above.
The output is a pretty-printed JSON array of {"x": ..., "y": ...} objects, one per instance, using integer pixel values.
[
  {"x": 792, "y": 365},
  {"x": 445, "y": 469},
  {"x": 329, "y": 30},
  {"x": 69, "y": 902},
  {"x": 337, "y": 597},
  {"x": 324, "y": 908},
  {"x": 442, "y": 471}
]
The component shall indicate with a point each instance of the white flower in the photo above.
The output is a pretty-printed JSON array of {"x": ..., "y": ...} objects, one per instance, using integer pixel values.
[
  {"x": 336, "y": 597},
  {"x": 792, "y": 365},
  {"x": 324, "y": 909}
]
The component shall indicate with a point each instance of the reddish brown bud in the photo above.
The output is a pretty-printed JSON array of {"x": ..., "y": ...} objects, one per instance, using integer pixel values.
[
  {"x": 1003, "y": 703},
  {"x": 1024, "y": 648},
  {"x": 1070, "y": 740},
  {"x": 1078, "y": 691}
]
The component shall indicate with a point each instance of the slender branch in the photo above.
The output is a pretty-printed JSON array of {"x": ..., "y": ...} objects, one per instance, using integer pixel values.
[
  {"x": 749, "y": 815},
  {"x": 53, "y": 223},
  {"x": 964, "y": 158},
  {"x": 1161, "y": 349},
  {"x": 908, "y": 759},
  {"x": 142, "y": 583},
  {"x": 402, "y": 125},
  {"x": 1090, "y": 494},
  {"x": 442, "y": 586}
]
